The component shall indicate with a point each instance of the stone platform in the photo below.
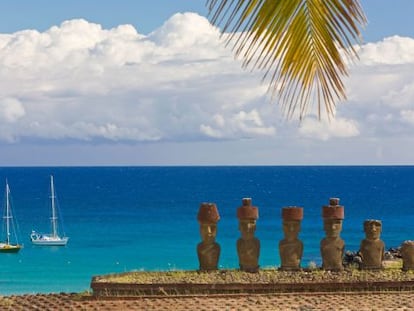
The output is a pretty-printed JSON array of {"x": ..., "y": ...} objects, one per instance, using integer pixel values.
[{"x": 233, "y": 282}]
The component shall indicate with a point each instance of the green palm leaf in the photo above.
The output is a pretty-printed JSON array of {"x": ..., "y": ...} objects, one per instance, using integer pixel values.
[{"x": 300, "y": 44}]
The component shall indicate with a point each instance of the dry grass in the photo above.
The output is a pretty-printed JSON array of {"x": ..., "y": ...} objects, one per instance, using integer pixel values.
[{"x": 270, "y": 276}]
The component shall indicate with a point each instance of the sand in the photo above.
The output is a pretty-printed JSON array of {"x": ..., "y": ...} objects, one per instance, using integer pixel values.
[{"x": 300, "y": 302}]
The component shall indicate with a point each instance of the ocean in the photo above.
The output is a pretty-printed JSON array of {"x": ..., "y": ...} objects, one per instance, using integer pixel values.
[{"x": 144, "y": 218}]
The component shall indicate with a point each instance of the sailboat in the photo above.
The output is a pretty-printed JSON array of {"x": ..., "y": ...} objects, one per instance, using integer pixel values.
[
  {"x": 53, "y": 238},
  {"x": 7, "y": 246}
]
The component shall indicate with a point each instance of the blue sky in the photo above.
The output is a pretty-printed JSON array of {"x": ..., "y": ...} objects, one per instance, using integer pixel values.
[
  {"x": 144, "y": 15},
  {"x": 386, "y": 18},
  {"x": 148, "y": 83}
]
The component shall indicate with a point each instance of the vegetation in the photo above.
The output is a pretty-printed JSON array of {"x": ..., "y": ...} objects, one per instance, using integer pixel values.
[
  {"x": 299, "y": 44},
  {"x": 268, "y": 276}
]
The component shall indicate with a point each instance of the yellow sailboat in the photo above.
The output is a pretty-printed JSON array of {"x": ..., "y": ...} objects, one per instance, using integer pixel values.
[{"x": 8, "y": 227}]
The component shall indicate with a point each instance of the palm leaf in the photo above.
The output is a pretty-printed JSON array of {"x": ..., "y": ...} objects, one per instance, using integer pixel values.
[{"x": 300, "y": 45}]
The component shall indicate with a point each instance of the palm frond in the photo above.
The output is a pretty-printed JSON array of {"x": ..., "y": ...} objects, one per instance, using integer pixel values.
[{"x": 301, "y": 45}]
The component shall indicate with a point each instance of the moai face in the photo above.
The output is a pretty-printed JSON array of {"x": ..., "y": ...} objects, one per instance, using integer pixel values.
[
  {"x": 332, "y": 227},
  {"x": 291, "y": 229},
  {"x": 372, "y": 230},
  {"x": 208, "y": 232},
  {"x": 247, "y": 228}
]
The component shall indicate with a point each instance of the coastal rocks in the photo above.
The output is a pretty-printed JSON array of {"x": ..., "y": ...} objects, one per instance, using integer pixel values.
[
  {"x": 248, "y": 246},
  {"x": 372, "y": 248},
  {"x": 208, "y": 250},
  {"x": 352, "y": 259},
  {"x": 332, "y": 246},
  {"x": 291, "y": 248}
]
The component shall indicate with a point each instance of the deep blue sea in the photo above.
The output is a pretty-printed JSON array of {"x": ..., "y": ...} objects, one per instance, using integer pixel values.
[{"x": 144, "y": 218}]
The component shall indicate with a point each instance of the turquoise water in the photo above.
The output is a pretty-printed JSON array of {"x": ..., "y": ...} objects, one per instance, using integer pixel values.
[{"x": 144, "y": 218}]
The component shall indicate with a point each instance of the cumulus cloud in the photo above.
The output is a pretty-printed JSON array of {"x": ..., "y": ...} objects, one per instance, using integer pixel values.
[
  {"x": 242, "y": 124},
  {"x": 408, "y": 116},
  {"x": 79, "y": 81},
  {"x": 325, "y": 130},
  {"x": 11, "y": 110},
  {"x": 381, "y": 89},
  {"x": 385, "y": 51}
]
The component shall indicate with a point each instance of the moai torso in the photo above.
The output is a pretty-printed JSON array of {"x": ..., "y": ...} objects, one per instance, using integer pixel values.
[
  {"x": 332, "y": 251},
  {"x": 372, "y": 248},
  {"x": 291, "y": 252},
  {"x": 248, "y": 252},
  {"x": 407, "y": 253},
  {"x": 208, "y": 255}
]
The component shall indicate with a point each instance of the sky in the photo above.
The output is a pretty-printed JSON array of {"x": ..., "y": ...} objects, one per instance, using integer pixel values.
[{"x": 92, "y": 83}]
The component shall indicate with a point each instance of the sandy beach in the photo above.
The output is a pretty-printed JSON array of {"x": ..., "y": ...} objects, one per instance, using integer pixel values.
[{"x": 301, "y": 302}]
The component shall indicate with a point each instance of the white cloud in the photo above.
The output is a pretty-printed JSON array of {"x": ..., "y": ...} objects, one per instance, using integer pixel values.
[
  {"x": 242, "y": 124},
  {"x": 209, "y": 131},
  {"x": 324, "y": 130},
  {"x": 387, "y": 50},
  {"x": 381, "y": 88},
  {"x": 179, "y": 83},
  {"x": 82, "y": 82},
  {"x": 11, "y": 110},
  {"x": 408, "y": 116},
  {"x": 251, "y": 123}
]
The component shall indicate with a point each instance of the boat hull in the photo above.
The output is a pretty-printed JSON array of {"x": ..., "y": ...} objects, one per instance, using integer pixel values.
[
  {"x": 51, "y": 243},
  {"x": 48, "y": 240},
  {"x": 8, "y": 248}
]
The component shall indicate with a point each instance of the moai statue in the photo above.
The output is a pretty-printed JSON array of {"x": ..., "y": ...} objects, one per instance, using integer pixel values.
[
  {"x": 291, "y": 248},
  {"x": 407, "y": 253},
  {"x": 208, "y": 250},
  {"x": 248, "y": 246},
  {"x": 332, "y": 246},
  {"x": 372, "y": 248}
]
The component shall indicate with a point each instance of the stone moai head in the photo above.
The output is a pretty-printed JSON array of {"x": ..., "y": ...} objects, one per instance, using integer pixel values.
[
  {"x": 208, "y": 216},
  {"x": 372, "y": 228},
  {"x": 247, "y": 215},
  {"x": 291, "y": 216},
  {"x": 333, "y": 215}
]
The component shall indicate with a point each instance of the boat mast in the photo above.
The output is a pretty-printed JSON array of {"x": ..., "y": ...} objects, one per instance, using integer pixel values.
[
  {"x": 7, "y": 217},
  {"x": 54, "y": 218}
]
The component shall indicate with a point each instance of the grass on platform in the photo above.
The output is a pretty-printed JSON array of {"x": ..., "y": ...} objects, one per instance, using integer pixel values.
[{"x": 392, "y": 272}]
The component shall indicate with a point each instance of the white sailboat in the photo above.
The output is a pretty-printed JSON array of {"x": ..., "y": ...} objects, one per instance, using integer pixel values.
[
  {"x": 53, "y": 238},
  {"x": 7, "y": 246}
]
